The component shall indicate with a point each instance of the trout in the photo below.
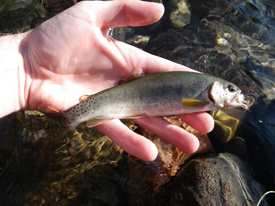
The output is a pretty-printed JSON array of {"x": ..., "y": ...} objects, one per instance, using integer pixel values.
[{"x": 159, "y": 94}]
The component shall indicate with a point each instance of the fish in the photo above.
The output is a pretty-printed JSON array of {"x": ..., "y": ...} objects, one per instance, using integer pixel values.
[{"x": 158, "y": 94}]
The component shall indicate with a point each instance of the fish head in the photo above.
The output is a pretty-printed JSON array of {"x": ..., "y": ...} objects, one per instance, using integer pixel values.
[{"x": 226, "y": 95}]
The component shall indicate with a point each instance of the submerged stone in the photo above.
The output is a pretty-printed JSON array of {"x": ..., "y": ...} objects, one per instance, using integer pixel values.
[
  {"x": 221, "y": 179},
  {"x": 181, "y": 15}
]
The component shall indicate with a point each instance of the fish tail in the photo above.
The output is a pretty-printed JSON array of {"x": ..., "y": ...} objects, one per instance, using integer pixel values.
[{"x": 56, "y": 128}]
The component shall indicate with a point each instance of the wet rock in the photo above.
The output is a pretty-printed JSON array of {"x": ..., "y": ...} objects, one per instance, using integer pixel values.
[
  {"x": 147, "y": 178},
  {"x": 236, "y": 146},
  {"x": 21, "y": 15},
  {"x": 118, "y": 33},
  {"x": 35, "y": 169},
  {"x": 100, "y": 185},
  {"x": 213, "y": 180},
  {"x": 181, "y": 15},
  {"x": 85, "y": 166},
  {"x": 138, "y": 41},
  {"x": 58, "y": 5}
]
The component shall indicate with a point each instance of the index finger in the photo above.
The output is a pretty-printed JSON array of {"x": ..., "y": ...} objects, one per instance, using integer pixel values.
[
  {"x": 156, "y": 64},
  {"x": 142, "y": 62}
]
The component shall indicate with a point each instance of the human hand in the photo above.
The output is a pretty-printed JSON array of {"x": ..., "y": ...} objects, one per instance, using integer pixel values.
[{"x": 71, "y": 55}]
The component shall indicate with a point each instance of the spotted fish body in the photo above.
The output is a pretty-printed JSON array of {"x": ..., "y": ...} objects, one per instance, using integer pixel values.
[{"x": 157, "y": 94}]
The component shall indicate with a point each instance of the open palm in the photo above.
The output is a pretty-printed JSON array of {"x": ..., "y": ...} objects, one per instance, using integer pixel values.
[{"x": 71, "y": 55}]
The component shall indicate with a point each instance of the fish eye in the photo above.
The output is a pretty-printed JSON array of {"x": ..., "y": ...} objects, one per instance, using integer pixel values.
[{"x": 231, "y": 88}]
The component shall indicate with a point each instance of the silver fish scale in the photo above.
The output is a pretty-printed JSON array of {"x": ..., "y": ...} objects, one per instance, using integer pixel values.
[{"x": 157, "y": 94}]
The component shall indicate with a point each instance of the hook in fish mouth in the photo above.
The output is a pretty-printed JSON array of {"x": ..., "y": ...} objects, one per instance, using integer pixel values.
[
  {"x": 245, "y": 105},
  {"x": 242, "y": 102}
]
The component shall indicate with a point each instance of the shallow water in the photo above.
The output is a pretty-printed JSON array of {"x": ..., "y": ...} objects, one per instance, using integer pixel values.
[
  {"x": 233, "y": 40},
  {"x": 230, "y": 39}
]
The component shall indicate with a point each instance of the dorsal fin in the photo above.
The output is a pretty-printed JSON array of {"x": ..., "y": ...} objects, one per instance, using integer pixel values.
[
  {"x": 121, "y": 81},
  {"x": 129, "y": 78}
]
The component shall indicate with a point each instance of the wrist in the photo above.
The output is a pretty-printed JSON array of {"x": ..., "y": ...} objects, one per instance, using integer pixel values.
[{"x": 13, "y": 51}]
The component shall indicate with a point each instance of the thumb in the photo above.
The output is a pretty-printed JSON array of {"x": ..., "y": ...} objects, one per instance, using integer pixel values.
[
  {"x": 132, "y": 13},
  {"x": 123, "y": 13}
]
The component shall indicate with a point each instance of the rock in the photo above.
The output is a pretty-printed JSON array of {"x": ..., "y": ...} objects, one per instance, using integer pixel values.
[
  {"x": 181, "y": 15},
  {"x": 21, "y": 15},
  {"x": 138, "y": 41},
  {"x": 85, "y": 166},
  {"x": 213, "y": 180},
  {"x": 147, "y": 178},
  {"x": 35, "y": 169},
  {"x": 58, "y": 5}
]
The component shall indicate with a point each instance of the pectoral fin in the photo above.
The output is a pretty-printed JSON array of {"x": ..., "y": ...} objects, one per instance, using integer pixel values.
[
  {"x": 95, "y": 122},
  {"x": 193, "y": 103}
]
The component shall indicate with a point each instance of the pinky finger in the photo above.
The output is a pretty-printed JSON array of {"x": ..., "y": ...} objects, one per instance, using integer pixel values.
[
  {"x": 128, "y": 140},
  {"x": 173, "y": 134},
  {"x": 201, "y": 121}
]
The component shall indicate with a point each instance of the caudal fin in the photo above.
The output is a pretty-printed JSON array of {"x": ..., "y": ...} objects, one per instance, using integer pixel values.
[{"x": 55, "y": 128}]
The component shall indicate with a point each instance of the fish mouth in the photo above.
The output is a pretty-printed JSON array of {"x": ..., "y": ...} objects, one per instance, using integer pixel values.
[
  {"x": 224, "y": 100},
  {"x": 245, "y": 105},
  {"x": 240, "y": 100}
]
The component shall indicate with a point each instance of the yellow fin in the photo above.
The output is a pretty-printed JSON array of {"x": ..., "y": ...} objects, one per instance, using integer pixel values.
[
  {"x": 95, "y": 122},
  {"x": 136, "y": 116},
  {"x": 193, "y": 103}
]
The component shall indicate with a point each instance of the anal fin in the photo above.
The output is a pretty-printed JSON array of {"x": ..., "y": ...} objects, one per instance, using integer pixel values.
[{"x": 95, "y": 122}]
